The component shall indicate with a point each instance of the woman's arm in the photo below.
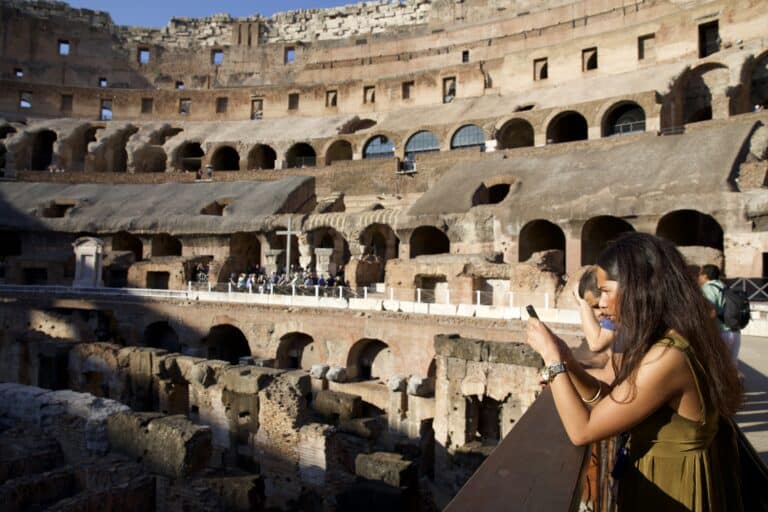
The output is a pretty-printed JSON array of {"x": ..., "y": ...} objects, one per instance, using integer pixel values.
[{"x": 662, "y": 375}]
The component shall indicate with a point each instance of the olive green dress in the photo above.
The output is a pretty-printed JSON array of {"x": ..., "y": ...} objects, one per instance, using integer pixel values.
[{"x": 676, "y": 463}]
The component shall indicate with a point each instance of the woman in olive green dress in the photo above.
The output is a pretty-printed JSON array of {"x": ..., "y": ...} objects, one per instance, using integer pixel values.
[{"x": 675, "y": 385}]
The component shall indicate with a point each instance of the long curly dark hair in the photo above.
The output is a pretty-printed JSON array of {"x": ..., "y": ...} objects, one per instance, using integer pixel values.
[{"x": 656, "y": 294}]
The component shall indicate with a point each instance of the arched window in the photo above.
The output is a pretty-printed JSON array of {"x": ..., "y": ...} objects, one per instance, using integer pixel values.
[
  {"x": 516, "y": 133},
  {"x": 596, "y": 234},
  {"x": 468, "y": 136},
  {"x": 166, "y": 245},
  {"x": 379, "y": 147},
  {"x": 42, "y": 150},
  {"x": 191, "y": 156},
  {"x": 702, "y": 86},
  {"x": 226, "y": 343},
  {"x": 339, "y": 150},
  {"x": 370, "y": 359},
  {"x": 567, "y": 127},
  {"x": 226, "y": 158},
  {"x": 297, "y": 350},
  {"x": 262, "y": 157},
  {"x": 301, "y": 155},
  {"x": 691, "y": 228},
  {"x": 540, "y": 235},
  {"x": 624, "y": 118},
  {"x": 421, "y": 142},
  {"x": 429, "y": 240},
  {"x": 759, "y": 89}
]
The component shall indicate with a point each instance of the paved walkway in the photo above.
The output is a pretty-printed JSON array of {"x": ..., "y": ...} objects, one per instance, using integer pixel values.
[{"x": 753, "y": 418}]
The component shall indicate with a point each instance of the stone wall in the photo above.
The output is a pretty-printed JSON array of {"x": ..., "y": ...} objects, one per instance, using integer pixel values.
[{"x": 482, "y": 389}]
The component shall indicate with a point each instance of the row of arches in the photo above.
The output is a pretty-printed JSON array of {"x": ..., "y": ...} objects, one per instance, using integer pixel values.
[
  {"x": 684, "y": 228},
  {"x": 518, "y": 132},
  {"x": 700, "y": 91},
  {"x": 366, "y": 359}
]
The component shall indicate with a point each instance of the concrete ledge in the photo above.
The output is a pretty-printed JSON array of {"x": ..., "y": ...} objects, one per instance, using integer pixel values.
[
  {"x": 328, "y": 302},
  {"x": 442, "y": 309},
  {"x": 365, "y": 304},
  {"x": 492, "y": 312},
  {"x": 303, "y": 300},
  {"x": 391, "y": 305},
  {"x": 466, "y": 310}
]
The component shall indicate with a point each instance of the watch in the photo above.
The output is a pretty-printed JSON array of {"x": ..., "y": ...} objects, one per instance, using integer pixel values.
[{"x": 549, "y": 373}]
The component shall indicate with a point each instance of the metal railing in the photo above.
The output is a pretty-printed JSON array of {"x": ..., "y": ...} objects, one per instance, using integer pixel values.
[
  {"x": 756, "y": 288},
  {"x": 628, "y": 128}
]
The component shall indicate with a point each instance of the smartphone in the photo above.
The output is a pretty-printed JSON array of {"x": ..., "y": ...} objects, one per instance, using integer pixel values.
[{"x": 531, "y": 311}]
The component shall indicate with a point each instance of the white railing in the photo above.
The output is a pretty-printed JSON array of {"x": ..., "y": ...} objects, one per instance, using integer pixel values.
[
  {"x": 440, "y": 302},
  {"x": 503, "y": 305}
]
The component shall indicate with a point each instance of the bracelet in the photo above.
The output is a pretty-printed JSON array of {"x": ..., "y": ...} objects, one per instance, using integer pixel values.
[{"x": 594, "y": 398}]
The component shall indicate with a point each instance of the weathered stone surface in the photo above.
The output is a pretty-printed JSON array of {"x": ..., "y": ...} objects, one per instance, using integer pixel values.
[
  {"x": 27, "y": 450},
  {"x": 368, "y": 428},
  {"x": 246, "y": 378},
  {"x": 318, "y": 371},
  {"x": 169, "y": 445},
  {"x": 337, "y": 374},
  {"x": 454, "y": 346},
  {"x": 421, "y": 386},
  {"x": 300, "y": 381},
  {"x": 238, "y": 493},
  {"x": 397, "y": 383},
  {"x": 389, "y": 468},
  {"x": 335, "y": 404}
]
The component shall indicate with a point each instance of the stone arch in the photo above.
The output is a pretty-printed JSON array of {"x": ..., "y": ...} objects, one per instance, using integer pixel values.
[
  {"x": 423, "y": 141},
  {"x": 429, "y": 240},
  {"x": 540, "y": 235},
  {"x": 597, "y": 232},
  {"x": 225, "y": 158},
  {"x": 703, "y": 86},
  {"x": 152, "y": 160},
  {"x": 301, "y": 155},
  {"x": 622, "y": 118},
  {"x": 329, "y": 238},
  {"x": 297, "y": 350},
  {"x": 691, "y": 228},
  {"x": 759, "y": 82},
  {"x": 190, "y": 156},
  {"x": 42, "y": 150},
  {"x": 515, "y": 133},
  {"x": 162, "y": 335},
  {"x": 80, "y": 147},
  {"x": 226, "y": 343},
  {"x": 379, "y": 146},
  {"x": 262, "y": 156},
  {"x": 468, "y": 136},
  {"x": 370, "y": 359},
  {"x": 124, "y": 241},
  {"x": 244, "y": 254},
  {"x": 380, "y": 241},
  {"x": 338, "y": 151},
  {"x": 567, "y": 126},
  {"x": 164, "y": 244}
]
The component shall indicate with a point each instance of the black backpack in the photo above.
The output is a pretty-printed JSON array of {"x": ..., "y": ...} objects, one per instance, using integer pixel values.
[{"x": 735, "y": 312}]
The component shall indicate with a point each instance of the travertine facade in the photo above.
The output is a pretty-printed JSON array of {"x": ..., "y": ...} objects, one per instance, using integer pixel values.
[{"x": 456, "y": 157}]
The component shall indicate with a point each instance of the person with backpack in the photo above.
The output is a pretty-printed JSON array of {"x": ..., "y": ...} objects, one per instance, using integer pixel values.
[{"x": 731, "y": 308}]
